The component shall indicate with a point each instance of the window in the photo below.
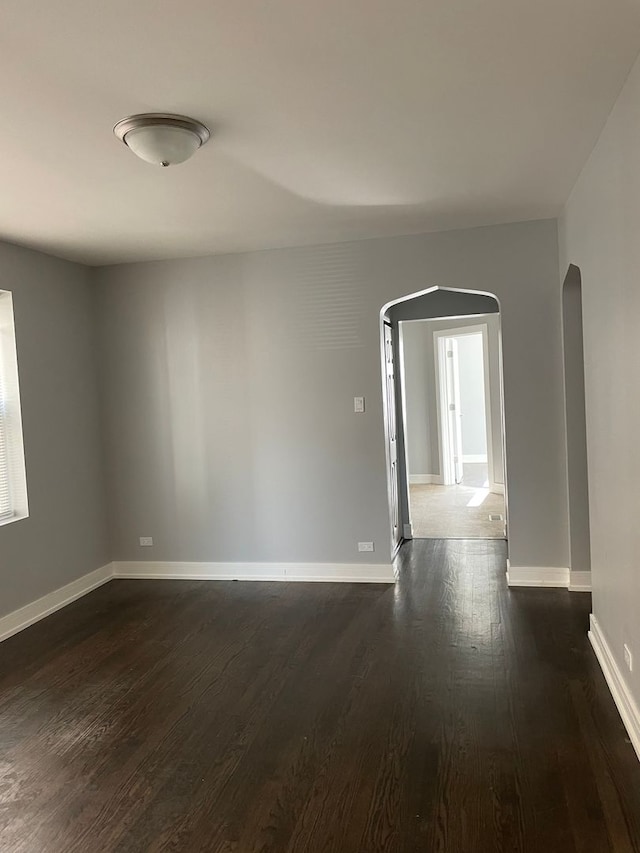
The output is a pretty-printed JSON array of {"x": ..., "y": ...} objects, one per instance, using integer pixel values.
[{"x": 13, "y": 485}]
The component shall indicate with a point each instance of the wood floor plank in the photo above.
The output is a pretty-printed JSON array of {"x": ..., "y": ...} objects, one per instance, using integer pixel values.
[{"x": 445, "y": 713}]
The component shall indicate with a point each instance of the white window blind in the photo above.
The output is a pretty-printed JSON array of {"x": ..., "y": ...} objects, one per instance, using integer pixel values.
[{"x": 13, "y": 484}]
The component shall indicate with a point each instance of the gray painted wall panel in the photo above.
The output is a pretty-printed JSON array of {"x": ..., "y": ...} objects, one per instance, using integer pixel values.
[
  {"x": 65, "y": 535},
  {"x": 599, "y": 234},
  {"x": 421, "y": 427},
  {"x": 229, "y": 385}
]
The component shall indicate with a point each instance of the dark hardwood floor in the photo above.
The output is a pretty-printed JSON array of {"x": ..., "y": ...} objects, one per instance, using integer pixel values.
[{"x": 446, "y": 713}]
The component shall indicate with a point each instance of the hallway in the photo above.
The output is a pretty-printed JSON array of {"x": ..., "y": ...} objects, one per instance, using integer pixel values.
[{"x": 445, "y": 714}]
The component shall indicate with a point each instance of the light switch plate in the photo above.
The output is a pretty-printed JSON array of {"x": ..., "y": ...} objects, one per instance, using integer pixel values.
[{"x": 358, "y": 404}]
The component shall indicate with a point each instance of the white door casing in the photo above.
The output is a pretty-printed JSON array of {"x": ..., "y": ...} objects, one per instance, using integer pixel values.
[{"x": 392, "y": 435}]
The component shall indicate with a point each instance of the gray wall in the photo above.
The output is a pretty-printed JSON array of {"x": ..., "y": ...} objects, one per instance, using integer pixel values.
[
  {"x": 420, "y": 427},
  {"x": 420, "y": 391},
  {"x": 599, "y": 234},
  {"x": 65, "y": 535},
  {"x": 442, "y": 303},
  {"x": 229, "y": 385}
]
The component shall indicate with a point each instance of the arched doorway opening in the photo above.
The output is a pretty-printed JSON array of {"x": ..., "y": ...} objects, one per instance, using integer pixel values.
[
  {"x": 576, "y": 431},
  {"x": 448, "y": 493}
]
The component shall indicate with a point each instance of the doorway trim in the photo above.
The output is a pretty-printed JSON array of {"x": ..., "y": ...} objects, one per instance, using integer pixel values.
[
  {"x": 439, "y": 338},
  {"x": 448, "y": 410},
  {"x": 391, "y": 419}
]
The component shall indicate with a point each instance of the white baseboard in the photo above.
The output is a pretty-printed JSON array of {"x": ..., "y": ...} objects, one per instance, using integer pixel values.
[
  {"x": 474, "y": 458},
  {"x": 545, "y": 576},
  {"x": 318, "y": 572},
  {"x": 548, "y": 576},
  {"x": 14, "y": 622},
  {"x": 425, "y": 479},
  {"x": 580, "y": 581},
  {"x": 497, "y": 488},
  {"x": 622, "y": 696},
  {"x": 30, "y": 613},
  {"x": 407, "y": 531}
]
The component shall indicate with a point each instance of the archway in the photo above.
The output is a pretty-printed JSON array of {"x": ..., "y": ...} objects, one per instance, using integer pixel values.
[
  {"x": 576, "y": 431},
  {"x": 437, "y": 308}
]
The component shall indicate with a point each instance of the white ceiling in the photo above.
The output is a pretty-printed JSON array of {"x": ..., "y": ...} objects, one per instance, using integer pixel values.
[{"x": 331, "y": 119}]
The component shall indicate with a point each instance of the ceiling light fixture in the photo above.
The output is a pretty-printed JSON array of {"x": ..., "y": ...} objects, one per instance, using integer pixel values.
[{"x": 162, "y": 138}]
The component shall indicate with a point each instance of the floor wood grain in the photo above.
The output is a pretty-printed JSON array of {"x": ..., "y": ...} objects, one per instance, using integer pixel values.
[{"x": 446, "y": 713}]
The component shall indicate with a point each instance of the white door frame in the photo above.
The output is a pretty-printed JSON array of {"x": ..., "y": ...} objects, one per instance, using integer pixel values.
[
  {"x": 449, "y": 412},
  {"x": 439, "y": 336},
  {"x": 390, "y": 410}
]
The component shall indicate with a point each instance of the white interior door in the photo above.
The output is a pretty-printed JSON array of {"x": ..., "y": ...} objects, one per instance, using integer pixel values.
[
  {"x": 454, "y": 413},
  {"x": 392, "y": 434}
]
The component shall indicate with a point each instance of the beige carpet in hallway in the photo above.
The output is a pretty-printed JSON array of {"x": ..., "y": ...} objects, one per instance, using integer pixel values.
[{"x": 442, "y": 512}]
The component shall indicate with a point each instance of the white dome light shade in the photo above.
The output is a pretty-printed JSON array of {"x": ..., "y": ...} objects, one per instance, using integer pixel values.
[
  {"x": 160, "y": 138},
  {"x": 162, "y": 146}
]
